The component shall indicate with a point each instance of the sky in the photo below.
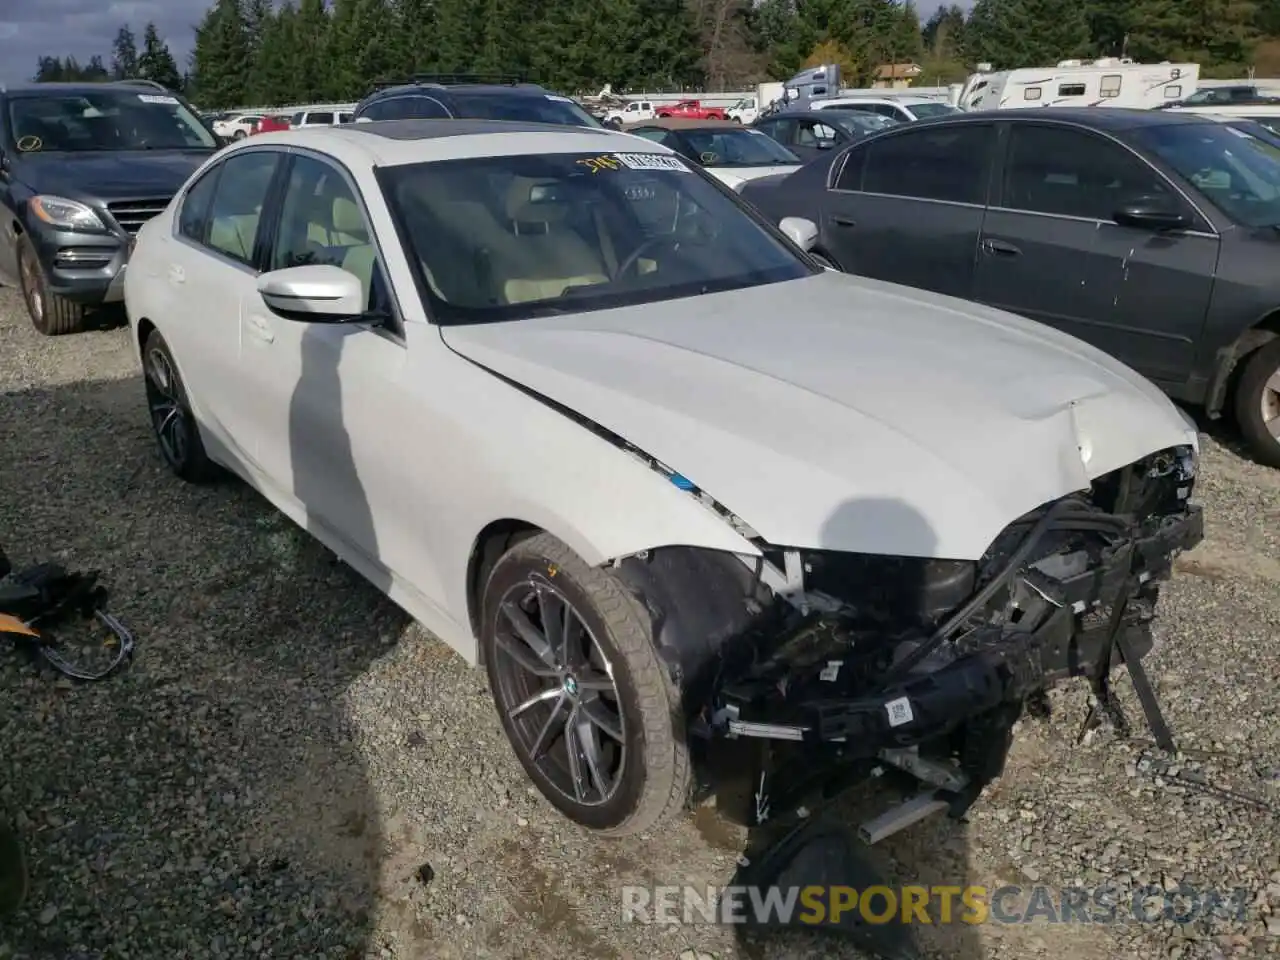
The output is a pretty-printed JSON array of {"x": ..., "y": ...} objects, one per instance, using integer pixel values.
[
  {"x": 30, "y": 29},
  {"x": 80, "y": 28}
]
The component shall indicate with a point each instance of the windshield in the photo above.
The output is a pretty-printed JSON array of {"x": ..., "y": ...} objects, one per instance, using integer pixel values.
[
  {"x": 737, "y": 147},
  {"x": 547, "y": 108},
  {"x": 934, "y": 108},
  {"x": 509, "y": 238},
  {"x": 1237, "y": 171},
  {"x": 110, "y": 119},
  {"x": 856, "y": 121}
]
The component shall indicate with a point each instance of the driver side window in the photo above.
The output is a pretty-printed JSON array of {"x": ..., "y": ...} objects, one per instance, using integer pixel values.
[
  {"x": 1060, "y": 171},
  {"x": 322, "y": 222}
]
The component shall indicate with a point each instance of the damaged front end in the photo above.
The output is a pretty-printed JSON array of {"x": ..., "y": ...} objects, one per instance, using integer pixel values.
[{"x": 843, "y": 664}]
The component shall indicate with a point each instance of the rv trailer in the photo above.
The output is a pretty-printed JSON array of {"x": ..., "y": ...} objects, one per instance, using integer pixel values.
[{"x": 1110, "y": 82}]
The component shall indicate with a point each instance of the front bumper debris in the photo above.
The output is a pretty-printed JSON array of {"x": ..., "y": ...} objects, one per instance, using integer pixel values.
[{"x": 800, "y": 693}]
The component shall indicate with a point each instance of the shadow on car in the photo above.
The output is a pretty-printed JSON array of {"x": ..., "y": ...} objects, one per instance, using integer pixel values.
[{"x": 212, "y": 795}]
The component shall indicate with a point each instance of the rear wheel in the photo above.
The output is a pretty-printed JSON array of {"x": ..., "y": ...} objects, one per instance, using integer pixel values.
[
  {"x": 50, "y": 314},
  {"x": 172, "y": 422},
  {"x": 1257, "y": 403},
  {"x": 579, "y": 689}
]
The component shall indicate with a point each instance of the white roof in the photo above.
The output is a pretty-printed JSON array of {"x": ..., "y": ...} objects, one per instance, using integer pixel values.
[
  {"x": 393, "y": 143},
  {"x": 904, "y": 100}
]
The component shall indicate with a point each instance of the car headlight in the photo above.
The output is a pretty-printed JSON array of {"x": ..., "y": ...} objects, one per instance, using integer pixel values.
[{"x": 64, "y": 213}]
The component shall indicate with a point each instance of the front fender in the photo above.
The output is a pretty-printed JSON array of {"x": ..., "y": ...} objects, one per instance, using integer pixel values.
[{"x": 502, "y": 454}]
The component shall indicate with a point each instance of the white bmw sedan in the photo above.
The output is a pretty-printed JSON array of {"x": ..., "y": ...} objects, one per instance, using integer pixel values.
[{"x": 601, "y": 428}]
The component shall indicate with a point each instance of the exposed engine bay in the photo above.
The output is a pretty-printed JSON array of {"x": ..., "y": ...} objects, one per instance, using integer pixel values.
[{"x": 842, "y": 664}]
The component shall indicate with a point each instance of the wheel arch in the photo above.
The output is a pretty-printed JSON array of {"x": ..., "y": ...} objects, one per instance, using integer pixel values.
[
  {"x": 489, "y": 545},
  {"x": 1230, "y": 360},
  {"x": 143, "y": 329}
]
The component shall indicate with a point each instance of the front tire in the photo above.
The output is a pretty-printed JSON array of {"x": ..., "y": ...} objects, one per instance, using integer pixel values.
[
  {"x": 50, "y": 314},
  {"x": 172, "y": 422},
  {"x": 1257, "y": 403},
  {"x": 580, "y": 692}
]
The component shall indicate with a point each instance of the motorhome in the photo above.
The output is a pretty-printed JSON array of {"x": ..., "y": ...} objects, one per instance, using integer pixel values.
[{"x": 1109, "y": 82}]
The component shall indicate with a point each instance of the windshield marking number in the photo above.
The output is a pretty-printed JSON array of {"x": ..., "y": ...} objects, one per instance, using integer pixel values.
[
  {"x": 155, "y": 98},
  {"x": 634, "y": 161},
  {"x": 596, "y": 164},
  {"x": 652, "y": 161}
]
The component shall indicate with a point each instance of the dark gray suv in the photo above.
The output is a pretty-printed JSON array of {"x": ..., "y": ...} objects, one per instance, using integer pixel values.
[
  {"x": 434, "y": 96},
  {"x": 1153, "y": 235},
  {"x": 82, "y": 168}
]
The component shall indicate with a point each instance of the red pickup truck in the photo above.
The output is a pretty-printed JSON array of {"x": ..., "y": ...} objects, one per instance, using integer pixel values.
[{"x": 691, "y": 110}]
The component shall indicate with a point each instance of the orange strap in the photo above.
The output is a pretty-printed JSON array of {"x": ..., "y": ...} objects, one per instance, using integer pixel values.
[{"x": 10, "y": 624}]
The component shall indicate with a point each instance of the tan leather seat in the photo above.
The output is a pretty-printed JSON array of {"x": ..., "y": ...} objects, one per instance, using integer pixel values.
[
  {"x": 544, "y": 256},
  {"x": 348, "y": 224}
]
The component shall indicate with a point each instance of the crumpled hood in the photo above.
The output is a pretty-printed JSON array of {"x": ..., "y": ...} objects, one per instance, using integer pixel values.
[
  {"x": 843, "y": 413},
  {"x": 110, "y": 175}
]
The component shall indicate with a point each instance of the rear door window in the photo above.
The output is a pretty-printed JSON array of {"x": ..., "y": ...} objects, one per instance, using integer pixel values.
[
  {"x": 236, "y": 209},
  {"x": 950, "y": 164}
]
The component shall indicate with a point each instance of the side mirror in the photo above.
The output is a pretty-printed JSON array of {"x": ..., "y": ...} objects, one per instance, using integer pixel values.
[
  {"x": 825, "y": 144},
  {"x": 803, "y": 233},
  {"x": 317, "y": 293},
  {"x": 1150, "y": 213}
]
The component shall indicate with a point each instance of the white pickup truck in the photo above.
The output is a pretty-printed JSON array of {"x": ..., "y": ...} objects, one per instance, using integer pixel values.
[{"x": 633, "y": 112}]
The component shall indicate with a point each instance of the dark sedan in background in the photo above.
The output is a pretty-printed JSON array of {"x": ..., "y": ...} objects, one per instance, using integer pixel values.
[
  {"x": 730, "y": 152},
  {"x": 810, "y": 133},
  {"x": 1153, "y": 235}
]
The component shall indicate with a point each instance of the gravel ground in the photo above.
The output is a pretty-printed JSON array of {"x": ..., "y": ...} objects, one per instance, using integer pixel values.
[{"x": 288, "y": 750}]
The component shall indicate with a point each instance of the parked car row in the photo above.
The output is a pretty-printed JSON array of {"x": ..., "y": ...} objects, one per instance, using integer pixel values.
[
  {"x": 236, "y": 126},
  {"x": 700, "y": 486}
]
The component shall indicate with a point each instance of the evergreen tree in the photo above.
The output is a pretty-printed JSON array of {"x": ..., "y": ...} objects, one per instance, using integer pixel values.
[
  {"x": 70, "y": 70},
  {"x": 458, "y": 35},
  {"x": 943, "y": 34},
  {"x": 275, "y": 77},
  {"x": 362, "y": 46},
  {"x": 414, "y": 42},
  {"x": 312, "y": 66},
  {"x": 1213, "y": 33},
  {"x": 220, "y": 61},
  {"x": 1026, "y": 33},
  {"x": 777, "y": 28},
  {"x": 124, "y": 55},
  {"x": 156, "y": 62},
  {"x": 1109, "y": 24}
]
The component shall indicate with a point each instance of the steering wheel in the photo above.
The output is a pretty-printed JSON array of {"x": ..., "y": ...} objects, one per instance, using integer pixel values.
[{"x": 631, "y": 259}]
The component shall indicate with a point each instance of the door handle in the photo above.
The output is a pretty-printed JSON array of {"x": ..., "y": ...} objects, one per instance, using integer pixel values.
[
  {"x": 840, "y": 221},
  {"x": 261, "y": 329},
  {"x": 177, "y": 274},
  {"x": 999, "y": 248}
]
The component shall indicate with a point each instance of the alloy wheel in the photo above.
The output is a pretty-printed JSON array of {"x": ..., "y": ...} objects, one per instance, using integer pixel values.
[
  {"x": 557, "y": 690},
  {"x": 168, "y": 415},
  {"x": 32, "y": 287},
  {"x": 1269, "y": 405}
]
